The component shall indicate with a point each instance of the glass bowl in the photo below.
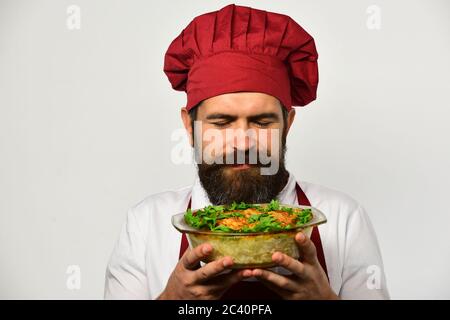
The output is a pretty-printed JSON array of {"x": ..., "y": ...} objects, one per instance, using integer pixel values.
[{"x": 252, "y": 249}]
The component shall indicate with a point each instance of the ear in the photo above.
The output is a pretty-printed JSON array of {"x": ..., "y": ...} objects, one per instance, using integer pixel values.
[
  {"x": 290, "y": 119},
  {"x": 187, "y": 123}
]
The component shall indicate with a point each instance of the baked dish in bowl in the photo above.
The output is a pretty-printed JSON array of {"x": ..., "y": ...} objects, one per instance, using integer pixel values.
[{"x": 249, "y": 233}]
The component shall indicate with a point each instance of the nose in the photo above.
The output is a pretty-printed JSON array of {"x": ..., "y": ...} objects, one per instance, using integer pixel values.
[{"x": 243, "y": 137}]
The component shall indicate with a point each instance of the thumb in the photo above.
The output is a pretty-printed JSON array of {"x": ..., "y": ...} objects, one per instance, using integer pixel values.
[{"x": 307, "y": 249}]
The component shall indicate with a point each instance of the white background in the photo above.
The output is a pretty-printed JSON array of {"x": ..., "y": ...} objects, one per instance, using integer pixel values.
[{"x": 86, "y": 118}]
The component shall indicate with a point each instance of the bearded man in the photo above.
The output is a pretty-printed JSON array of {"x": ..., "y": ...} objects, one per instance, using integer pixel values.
[{"x": 244, "y": 70}]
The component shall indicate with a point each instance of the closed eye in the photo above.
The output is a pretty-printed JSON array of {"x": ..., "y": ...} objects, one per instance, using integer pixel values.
[
  {"x": 221, "y": 124},
  {"x": 263, "y": 123}
]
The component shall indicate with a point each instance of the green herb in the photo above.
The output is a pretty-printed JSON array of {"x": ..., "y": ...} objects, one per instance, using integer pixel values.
[
  {"x": 273, "y": 205},
  {"x": 304, "y": 216},
  {"x": 221, "y": 228},
  {"x": 208, "y": 217},
  {"x": 230, "y": 215},
  {"x": 265, "y": 223},
  {"x": 241, "y": 206}
]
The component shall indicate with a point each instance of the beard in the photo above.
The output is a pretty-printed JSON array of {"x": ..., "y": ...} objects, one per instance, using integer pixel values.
[{"x": 225, "y": 185}]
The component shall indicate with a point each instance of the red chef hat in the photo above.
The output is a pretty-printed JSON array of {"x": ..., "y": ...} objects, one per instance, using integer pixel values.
[{"x": 243, "y": 49}]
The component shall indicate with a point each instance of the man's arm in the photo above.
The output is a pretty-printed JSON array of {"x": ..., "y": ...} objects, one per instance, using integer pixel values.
[
  {"x": 125, "y": 274},
  {"x": 363, "y": 272}
]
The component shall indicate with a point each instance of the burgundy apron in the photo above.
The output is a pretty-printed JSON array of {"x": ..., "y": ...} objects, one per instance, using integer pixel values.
[{"x": 254, "y": 290}]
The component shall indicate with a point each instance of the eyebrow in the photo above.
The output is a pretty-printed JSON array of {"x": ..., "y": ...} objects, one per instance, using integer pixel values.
[
  {"x": 214, "y": 116},
  {"x": 224, "y": 116},
  {"x": 265, "y": 115}
]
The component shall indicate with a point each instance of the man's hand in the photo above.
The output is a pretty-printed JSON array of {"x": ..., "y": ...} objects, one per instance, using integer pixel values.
[
  {"x": 308, "y": 279},
  {"x": 190, "y": 281}
]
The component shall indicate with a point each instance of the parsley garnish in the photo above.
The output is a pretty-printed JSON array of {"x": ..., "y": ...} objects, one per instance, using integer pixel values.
[{"x": 208, "y": 217}]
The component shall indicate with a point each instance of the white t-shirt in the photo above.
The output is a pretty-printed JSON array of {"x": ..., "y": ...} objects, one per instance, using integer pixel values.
[{"x": 148, "y": 246}]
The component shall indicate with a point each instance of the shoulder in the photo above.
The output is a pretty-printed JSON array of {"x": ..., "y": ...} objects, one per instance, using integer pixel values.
[
  {"x": 162, "y": 198},
  {"x": 332, "y": 202},
  {"x": 164, "y": 203}
]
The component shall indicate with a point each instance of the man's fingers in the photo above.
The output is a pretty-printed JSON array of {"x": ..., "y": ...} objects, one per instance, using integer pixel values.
[
  {"x": 307, "y": 248},
  {"x": 283, "y": 293},
  {"x": 220, "y": 284},
  {"x": 279, "y": 281},
  {"x": 192, "y": 258},
  {"x": 291, "y": 264},
  {"x": 233, "y": 277},
  {"x": 213, "y": 269}
]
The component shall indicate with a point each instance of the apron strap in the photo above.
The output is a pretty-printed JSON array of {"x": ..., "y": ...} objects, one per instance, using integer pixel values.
[
  {"x": 245, "y": 290},
  {"x": 315, "y": 235},
  {"x": 184, "y": 240}
]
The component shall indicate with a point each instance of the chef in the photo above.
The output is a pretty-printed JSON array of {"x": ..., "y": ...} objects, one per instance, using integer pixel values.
[{"x": 244, "y": 69}]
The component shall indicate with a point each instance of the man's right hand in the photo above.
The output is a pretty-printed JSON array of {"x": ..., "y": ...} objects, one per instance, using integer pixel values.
[{"x": 190, "y": 281}]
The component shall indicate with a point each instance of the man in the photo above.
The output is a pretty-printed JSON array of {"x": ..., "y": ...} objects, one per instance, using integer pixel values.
[{"x": 243, "y": 70}]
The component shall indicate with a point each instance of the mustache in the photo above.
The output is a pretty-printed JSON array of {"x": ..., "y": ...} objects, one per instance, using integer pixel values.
[
  {"x": 250, "y": 185},
  {"x": 249, "y": 157}
]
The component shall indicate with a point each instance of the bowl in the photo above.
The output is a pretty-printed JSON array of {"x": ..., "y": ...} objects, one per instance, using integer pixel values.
[{"x": 250, "y": 249}]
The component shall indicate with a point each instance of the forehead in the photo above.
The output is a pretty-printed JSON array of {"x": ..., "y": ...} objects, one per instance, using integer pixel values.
[{"x": 241, "y": 104}]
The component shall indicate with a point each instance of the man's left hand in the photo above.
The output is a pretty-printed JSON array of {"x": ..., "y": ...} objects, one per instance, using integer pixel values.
[{"x": 308, "y": 279}]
